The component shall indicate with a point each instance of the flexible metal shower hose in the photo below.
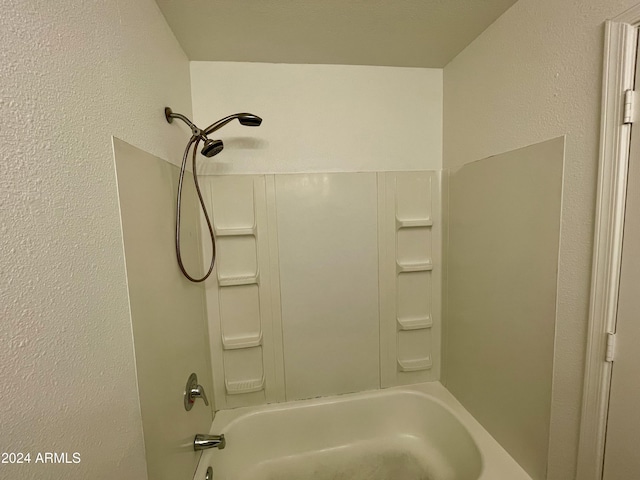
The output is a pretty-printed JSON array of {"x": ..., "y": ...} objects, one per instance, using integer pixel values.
[{"x": 194, "y": 141}]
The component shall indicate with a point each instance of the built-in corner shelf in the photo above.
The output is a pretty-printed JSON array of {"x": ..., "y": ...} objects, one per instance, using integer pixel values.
[
  {"x": 248, "y": 341},
  {"x": 414, "y": 267},
  {"x": 244, "y": 386},
  {"x": 239, "y": 280},
  {"x": 246, "y": 366},
  {"x": 409, "y": 232},
  {"x": 236, "y": 232},
  {"x": 415, "y": 323},
  {"x": 413, "y": 222},
  {"x": 415, "y": 365}
]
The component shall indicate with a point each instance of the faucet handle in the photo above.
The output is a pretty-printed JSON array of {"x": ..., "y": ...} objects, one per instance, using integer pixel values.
[
  {"x": 193, "y": 391},
  {"x": 198, "y": 392}
]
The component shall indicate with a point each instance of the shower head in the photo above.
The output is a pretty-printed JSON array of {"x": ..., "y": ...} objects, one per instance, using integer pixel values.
[
  {"x": 249, "y": 120},
  {"x": 212, "y": 148},
  {"x": 246, "y": 119}
]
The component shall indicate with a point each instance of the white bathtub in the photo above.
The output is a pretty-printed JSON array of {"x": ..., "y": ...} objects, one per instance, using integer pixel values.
[{"x": 419, "y": 432}]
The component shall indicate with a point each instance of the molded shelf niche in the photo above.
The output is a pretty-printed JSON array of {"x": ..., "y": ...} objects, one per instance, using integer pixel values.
[
  {"x": 246, "y": 341},
  {"x": 239, "y": 280},
  {"x": 415, "y": 365},
  {"x": 414, "y": 267},
  {"x": 244, "y": 386},
  {"x": 236, "y": 231},
  {"x": 413, "y": 223},
  {"x": 415, "y": 323}
]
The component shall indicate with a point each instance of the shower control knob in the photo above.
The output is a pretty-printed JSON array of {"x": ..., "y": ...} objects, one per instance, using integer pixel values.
[
  {"x": 198, "y": 392},
  {"x": 193, "y": 391}
]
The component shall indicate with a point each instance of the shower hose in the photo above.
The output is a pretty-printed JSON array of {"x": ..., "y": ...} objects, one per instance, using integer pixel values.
[{"x": 194, "y": 141}]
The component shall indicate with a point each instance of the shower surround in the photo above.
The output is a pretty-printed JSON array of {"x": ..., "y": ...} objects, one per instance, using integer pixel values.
[
  {"x": 329, "y": 283},
  {"x": 326, "y": 283}
]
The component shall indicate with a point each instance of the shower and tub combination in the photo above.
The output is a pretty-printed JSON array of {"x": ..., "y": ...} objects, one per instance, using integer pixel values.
[{"x": 413, "y": 428}]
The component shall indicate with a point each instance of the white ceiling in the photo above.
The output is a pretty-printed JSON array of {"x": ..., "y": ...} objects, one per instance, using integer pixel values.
[{"x": 407, "y": 33}]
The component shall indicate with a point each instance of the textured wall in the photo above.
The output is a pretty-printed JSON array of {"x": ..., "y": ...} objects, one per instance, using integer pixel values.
[
  {"x": 321, "y": 118},
  {"x": 533, "y": 75},
  {"x": 73, "y": 74}
]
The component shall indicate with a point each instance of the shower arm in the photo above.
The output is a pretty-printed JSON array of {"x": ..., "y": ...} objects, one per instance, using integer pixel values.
[{"x": 168, "y": 113}]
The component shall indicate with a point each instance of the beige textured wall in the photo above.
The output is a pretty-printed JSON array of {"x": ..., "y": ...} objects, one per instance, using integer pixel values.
[
  {"x": 533, "y": 75},
  {"x": 73, "y": 74},
  {"x": 504, "y": 234}
]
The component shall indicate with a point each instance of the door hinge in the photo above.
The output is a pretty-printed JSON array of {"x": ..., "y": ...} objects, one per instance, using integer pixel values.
[
  {"x": 611, "y": 347},
  {"x": 628, "y": 111}
]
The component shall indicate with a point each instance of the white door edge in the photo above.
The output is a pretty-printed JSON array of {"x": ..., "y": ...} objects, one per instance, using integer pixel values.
[{"x": 618, "y": 76}]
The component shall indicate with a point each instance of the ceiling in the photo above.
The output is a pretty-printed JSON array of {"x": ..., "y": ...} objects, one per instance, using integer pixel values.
[{"x": 406, "y": 33}]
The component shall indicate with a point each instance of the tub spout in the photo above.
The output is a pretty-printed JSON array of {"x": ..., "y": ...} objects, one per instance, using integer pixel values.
[{"x": 204, "y": 442}]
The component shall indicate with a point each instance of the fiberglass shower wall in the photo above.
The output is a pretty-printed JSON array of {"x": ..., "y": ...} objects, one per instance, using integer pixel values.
[
  {"x": 168, "y": 317},
  {"x": 308, "y": 285},
  {"x": 502, "y": 267}
]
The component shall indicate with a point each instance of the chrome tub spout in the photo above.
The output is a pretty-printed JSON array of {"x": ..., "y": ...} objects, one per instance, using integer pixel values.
[{"x": 204, "y": 442}]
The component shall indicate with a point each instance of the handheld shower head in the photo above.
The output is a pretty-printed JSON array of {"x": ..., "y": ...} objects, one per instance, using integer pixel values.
[
  {"x": 249, "y": 120},
  {"x": 212, "y": 148},
  {"x": 246, "y": 119}
]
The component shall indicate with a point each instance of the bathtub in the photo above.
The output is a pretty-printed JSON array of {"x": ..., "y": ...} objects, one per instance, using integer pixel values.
[{"x": 419, "y": 432}]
